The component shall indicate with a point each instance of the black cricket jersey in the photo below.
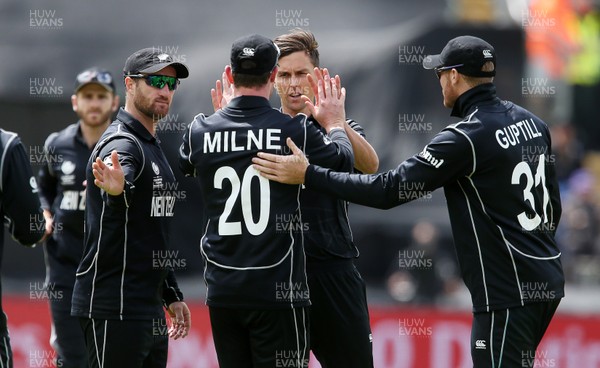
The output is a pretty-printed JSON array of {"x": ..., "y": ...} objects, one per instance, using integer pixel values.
[
  {"x": 497, "y": 170},
  {"x": 253, "y": 243},
  {"x": 328, "y": 235},
  {"x": 19, "y": 202},
  {"x": 123, "y": 273},
  {"x": 62, "y": 193}
]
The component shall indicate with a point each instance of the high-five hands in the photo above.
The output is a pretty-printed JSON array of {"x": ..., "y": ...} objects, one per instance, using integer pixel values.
[
  {"x": 223, "y": 91},
  {"x": 328, "y": 108}
]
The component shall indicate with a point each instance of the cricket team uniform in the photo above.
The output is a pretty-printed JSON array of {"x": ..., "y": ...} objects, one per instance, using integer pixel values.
[
  {"x": 62, "y": 193},
  {"x": 497, "y": 171},
  {"x": 340, "y": 333},
  {"x": 121, "y": 285},
  {"x": 253, "y": 244},
  {"x": 20, "y": 208}
]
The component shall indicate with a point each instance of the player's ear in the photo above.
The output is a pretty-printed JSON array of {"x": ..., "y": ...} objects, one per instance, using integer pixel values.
[
  {"x": 115, "y": 103},
  {"x": 74, "y": 102},
  {"x": 273, "y": 75}
]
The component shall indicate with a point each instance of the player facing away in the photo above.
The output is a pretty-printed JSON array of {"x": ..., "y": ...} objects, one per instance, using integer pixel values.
[
  {"x": 496, "y": 168},
  {"x": 62, "y": 194},
  {"x": 253, "y": 244},
  {"x": 119, "y": 292},
  {"x": 340, "y": 333},
  {"x": 21, "y": 210}
]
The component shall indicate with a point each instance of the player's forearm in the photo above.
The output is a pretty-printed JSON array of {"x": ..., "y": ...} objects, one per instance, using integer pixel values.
[{"x": 365, "y": 157}]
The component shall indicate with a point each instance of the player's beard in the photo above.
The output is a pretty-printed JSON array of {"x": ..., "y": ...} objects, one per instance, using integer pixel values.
[
  {"x": 149, "y": 108},
  {"x": 101, "y": 118}
]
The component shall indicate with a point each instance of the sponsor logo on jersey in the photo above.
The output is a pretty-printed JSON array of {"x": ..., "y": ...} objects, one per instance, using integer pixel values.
[
  {"x": 33, "y": 185},
  {"x": 155, "y": 168},
  {"x": 67, "y": 168},
  {"x": 480, "y": 344},
  {"x": 431, "y": 159}
]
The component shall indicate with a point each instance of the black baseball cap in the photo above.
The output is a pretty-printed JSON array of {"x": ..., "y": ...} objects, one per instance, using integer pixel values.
[
  {"x": 467, "y": 53},
  {"x": 150, "y": 60},
  {"x": 253, "y": 54},
  {"x": 95, "y": 75}
]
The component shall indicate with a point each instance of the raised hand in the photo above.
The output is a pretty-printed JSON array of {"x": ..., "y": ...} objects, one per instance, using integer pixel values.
[
  {"x": 328, "y": 109},
  {"x": 109, "y": 178},
  {"x": 223, "y": 91}
]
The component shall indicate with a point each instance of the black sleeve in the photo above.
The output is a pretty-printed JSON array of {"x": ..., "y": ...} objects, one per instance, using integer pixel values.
[
  {"x": 333, "y": 150},
  {"x": 20, "y": 201},
  {"x": 131, "y": 160},
  {"x": 185, "y": 151},
  {"x": 46, "y": 178},
  {"x": 443, "y": 160},
  {"x": 554, "y": 190},
  {"x": 170, "y": 290}
]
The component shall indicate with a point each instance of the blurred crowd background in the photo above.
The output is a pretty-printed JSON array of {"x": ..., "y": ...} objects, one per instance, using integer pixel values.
[{"x": 548, "y": 61}]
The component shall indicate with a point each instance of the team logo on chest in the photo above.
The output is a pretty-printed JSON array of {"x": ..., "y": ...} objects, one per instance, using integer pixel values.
[
  {"x": 162, "y": 204},
  {"x": 67, "y": 169}
]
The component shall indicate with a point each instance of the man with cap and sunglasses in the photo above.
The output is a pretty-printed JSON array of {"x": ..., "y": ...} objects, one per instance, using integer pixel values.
[
  {"x": 120, "y": 290},
  {"x": 496, "y": 168},
  {"x": 62, "y": 194},
  {"x": 253, "y": 242}
]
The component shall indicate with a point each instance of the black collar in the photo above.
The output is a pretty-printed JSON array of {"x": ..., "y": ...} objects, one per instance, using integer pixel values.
[
  {"x": 483, "y": 94},
  {"x": 138, "y": 128}
]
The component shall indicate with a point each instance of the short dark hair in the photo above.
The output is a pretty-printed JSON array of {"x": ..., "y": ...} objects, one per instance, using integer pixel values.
[
  {"x": 299, "y": 39},
  {"x": 250, "y": 80}
]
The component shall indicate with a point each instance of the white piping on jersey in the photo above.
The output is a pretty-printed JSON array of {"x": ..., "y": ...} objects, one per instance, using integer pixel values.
[
  {"x": 124, "y": 255},
  {"x": 492, "y": 339},
  {"x": 7, "y": 354},
  {"x": 504, "y": 337},
  {"x": 125, "y": 134},
  {"x": 531, "y": 256},
  {"x": 190, "y": 142},
  {"x": 12, "y": 138},
  {"x": 205, "y": 260}
]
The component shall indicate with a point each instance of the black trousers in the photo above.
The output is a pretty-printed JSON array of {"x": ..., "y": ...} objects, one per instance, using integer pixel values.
[
  {"x": 67, "y": 337},
  {"x": 6, "y": 356},
  {"x": 510, "y": 337},
  {"x": 129, "y": 343},
  {"x": 261, "y": 338},
  {"x": 340, "y": 333}
]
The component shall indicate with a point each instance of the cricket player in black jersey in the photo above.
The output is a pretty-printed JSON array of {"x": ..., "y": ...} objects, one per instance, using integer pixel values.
[
  {"x": 62, "y": 194},
  {"x": 496, "y": 168},
  {"x": 253, "y": 244},
  {"x": 119, "y": 292},
  {"x": 340, "y": 333},
  {"x": 21, "y": 210}
]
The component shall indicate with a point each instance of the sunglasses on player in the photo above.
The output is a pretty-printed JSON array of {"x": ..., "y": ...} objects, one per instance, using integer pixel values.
[
  {"x": 440, "y": 69},
  {"x": 158, "y": 81}
]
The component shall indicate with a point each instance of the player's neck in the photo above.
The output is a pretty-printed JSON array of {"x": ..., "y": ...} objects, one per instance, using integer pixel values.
[
  {"x": 293, "y": 113},
  {"x": 146, "y": 121},
  {"x": 262, "y": 91},
  {"x": 91, "y": 134}
]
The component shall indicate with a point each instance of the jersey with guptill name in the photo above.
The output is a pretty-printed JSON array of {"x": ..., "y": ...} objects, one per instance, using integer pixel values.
[
  {"x": 498, "y": 175},
  {"x": 253, "y": 242},
  {"x": 127, "y": 267}
]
